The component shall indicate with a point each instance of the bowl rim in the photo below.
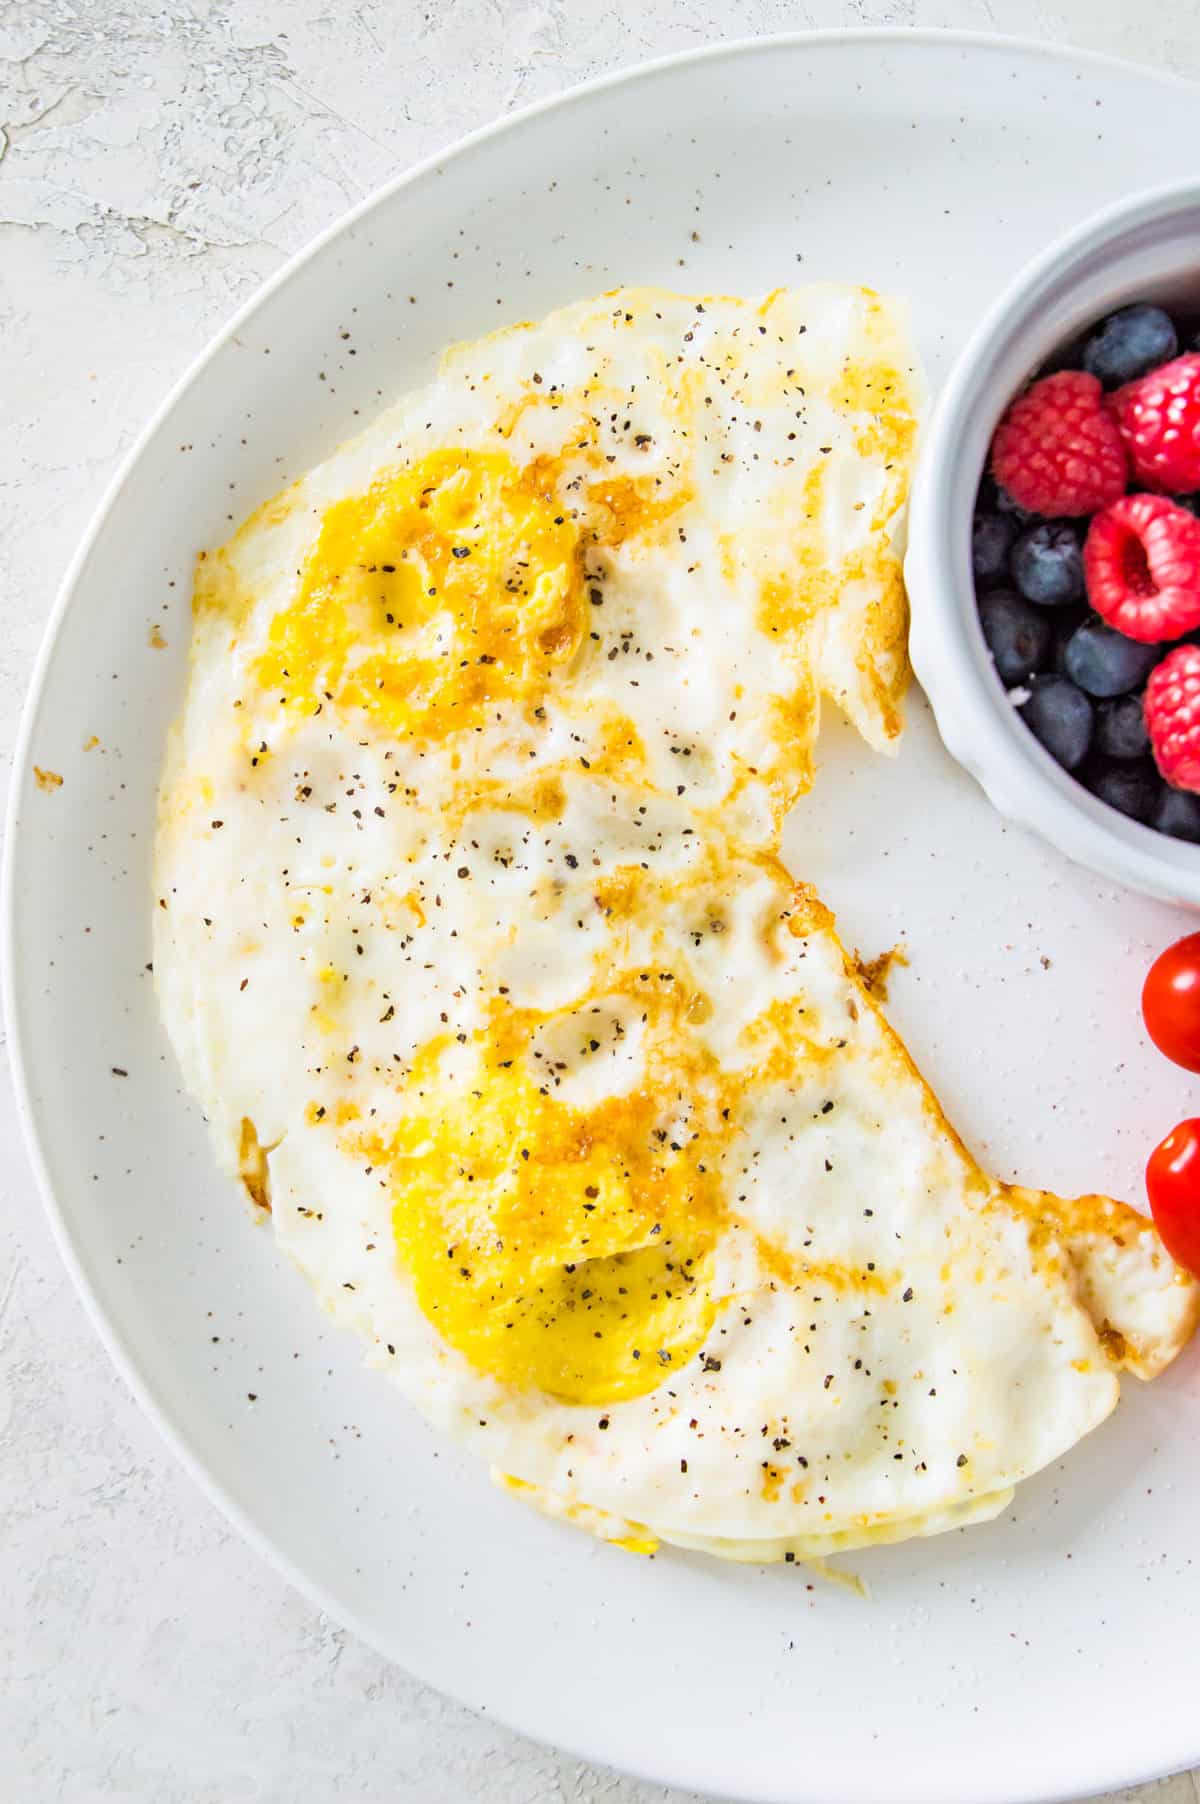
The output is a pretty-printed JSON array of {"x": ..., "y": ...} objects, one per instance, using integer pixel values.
[{"x": 949, "y": 657}]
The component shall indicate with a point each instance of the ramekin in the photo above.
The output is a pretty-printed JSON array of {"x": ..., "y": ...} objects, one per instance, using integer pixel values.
[{"x": 1147, "y": 248}]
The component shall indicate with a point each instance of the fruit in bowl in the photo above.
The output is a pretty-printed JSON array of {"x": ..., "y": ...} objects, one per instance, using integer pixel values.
[{"x": 1086, "y": 563}]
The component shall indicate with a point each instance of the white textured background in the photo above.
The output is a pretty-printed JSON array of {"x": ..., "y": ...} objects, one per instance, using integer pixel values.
[{"x": 156, "y": 162}]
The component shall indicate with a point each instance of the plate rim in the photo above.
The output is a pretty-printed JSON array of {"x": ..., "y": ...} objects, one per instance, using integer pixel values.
[{"x": 35, "y": 1136}]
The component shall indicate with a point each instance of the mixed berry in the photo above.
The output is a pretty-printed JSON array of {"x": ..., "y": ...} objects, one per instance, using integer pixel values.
[{"x": 1086, "y": 556}]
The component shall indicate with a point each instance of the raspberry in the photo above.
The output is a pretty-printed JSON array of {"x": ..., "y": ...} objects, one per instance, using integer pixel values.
[
  {"x": 1141, "y": 565},
  {"x": 1173, "y": 716},
  {"x": 1057, "y": 449},
  {"x": 1158, "y": 417}
]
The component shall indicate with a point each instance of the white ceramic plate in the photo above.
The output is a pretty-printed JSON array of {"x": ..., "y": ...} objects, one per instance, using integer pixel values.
[{"x": 1049, "y": 1654}]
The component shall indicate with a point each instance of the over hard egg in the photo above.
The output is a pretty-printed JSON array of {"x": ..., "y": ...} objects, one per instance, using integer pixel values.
[{"x": 474, "y": 945}]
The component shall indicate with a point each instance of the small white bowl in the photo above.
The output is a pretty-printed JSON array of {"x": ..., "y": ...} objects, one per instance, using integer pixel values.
[{"x": 1144, "y": 249}]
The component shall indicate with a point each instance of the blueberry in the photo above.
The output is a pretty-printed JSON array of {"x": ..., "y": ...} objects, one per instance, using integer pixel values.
[
  {"x": 1066, "y": 623},
  {"x": 1177, "y": 812},
  {"x": 1007, "y": 505},
  {"x": 1105, "y": 662},
  {"x": 1061, "y": 717},
  {"x": 985, "y": 498},
  {"x": 1047, "y": 564},
  {"x": 1130, "y": 342},
  {"x": 1121, "y": 728},
  {"x": 1019, "y": 637},
  {"x": 991, "y": 540},
  {"x": 1131, "y": 787}
]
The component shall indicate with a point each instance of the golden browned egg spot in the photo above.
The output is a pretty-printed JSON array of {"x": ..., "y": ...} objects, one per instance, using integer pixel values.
[{"x": 452, "y": 586}]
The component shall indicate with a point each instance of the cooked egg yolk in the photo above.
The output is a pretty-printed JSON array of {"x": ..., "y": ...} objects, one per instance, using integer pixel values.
[
  {"x": 451, "y": 585},
  {"x": 559, "y": 1247}
]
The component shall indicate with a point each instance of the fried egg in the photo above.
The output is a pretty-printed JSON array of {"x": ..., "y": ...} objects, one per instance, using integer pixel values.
[{"x": 474, "y": 944}]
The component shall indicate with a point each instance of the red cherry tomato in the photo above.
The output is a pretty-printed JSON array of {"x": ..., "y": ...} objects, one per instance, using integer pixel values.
[
  {"x": 1173, "y": 1186},
  {"x": 1171, "y": 1002}
]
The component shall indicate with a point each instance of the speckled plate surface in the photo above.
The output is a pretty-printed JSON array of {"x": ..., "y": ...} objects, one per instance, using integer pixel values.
[{"x": 1050, "y": 1654}]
